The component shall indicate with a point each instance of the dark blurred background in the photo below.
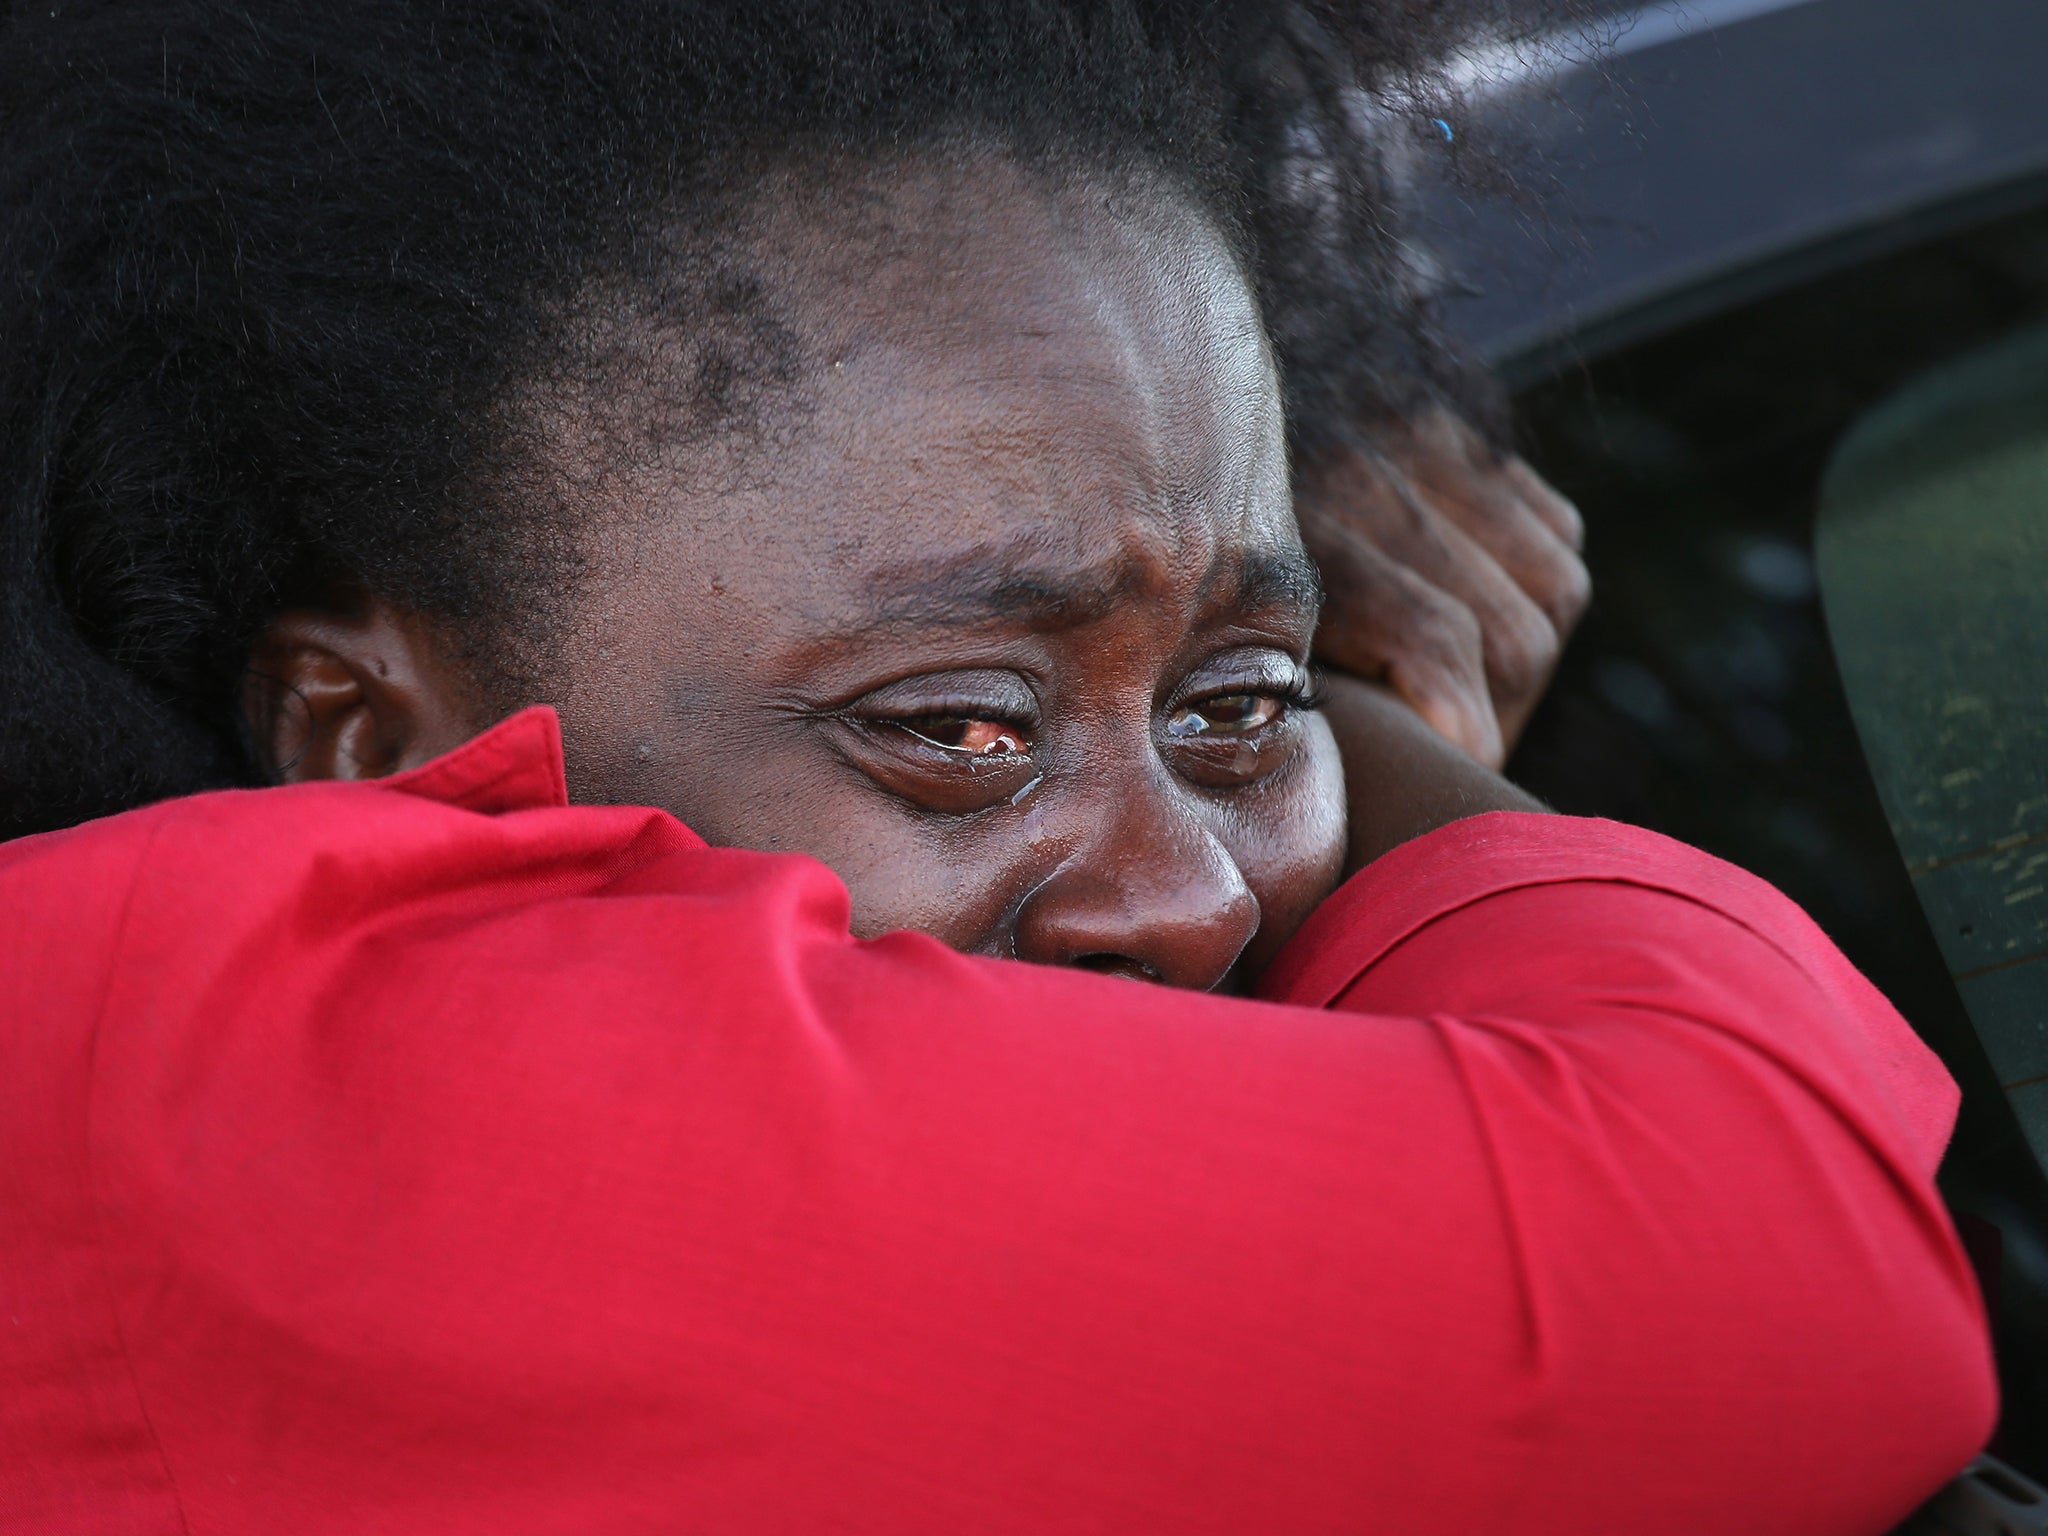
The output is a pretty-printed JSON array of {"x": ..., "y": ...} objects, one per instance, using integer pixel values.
[{"x": 1749, "y": 223}]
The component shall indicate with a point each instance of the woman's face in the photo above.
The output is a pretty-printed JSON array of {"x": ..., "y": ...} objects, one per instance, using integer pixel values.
[{"x": 1013, "y": 633}]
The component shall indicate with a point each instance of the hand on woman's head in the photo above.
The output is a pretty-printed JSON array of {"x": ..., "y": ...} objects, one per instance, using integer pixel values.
[{"x": 1453, "y": 574}]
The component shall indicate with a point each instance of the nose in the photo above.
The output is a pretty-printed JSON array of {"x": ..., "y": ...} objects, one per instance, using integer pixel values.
[{"x": 1154, "y": 896}]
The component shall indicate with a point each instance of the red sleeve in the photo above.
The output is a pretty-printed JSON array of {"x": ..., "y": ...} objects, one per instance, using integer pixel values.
[
  {"x": 1444, "y": 888},
  {"x": 545, "y": 1171}
]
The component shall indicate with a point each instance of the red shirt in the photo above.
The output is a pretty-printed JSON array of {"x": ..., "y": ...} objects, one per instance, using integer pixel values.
[{"x": 426, "y": 1156}]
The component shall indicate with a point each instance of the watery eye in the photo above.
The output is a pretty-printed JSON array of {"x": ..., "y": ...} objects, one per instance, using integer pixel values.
[
  {"x": 975, "y": 738},
  {"x": 1231, "y": 714}
]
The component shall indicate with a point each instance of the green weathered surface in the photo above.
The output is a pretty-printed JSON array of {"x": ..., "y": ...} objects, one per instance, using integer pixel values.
[
  {"x": 1933, "y": 556},
  {"x": 2012, "y": 994}
]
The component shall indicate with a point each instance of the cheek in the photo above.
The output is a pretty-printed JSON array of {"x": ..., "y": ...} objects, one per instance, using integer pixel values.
[
  {"x": 904, "y": 877},
  {"x": 1289, "y": 843},
  {"x": 945, "y": 879}
]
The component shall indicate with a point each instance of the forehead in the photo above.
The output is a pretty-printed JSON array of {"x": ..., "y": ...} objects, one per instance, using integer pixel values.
[{"x": 1002, "y": 369}]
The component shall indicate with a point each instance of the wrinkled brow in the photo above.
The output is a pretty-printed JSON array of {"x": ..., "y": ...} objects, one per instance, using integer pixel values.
[
  {"x": 984, "y": 589},
  {"x": 1273, "y": 580}
]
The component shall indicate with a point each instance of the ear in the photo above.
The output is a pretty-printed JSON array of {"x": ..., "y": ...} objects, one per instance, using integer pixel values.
[{"x": 354, "y": 694}]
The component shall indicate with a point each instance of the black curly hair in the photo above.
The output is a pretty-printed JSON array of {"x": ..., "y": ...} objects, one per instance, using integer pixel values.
[{"x": 270, "y": 271}]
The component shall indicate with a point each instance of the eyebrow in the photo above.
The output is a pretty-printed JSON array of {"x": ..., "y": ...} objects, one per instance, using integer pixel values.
[{"x": 983, "y": 588}]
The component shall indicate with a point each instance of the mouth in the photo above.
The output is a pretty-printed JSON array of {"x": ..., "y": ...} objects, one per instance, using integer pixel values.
[{"x": 1119, "y": 965}]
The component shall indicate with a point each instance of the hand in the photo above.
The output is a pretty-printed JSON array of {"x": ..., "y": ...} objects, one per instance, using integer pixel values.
[{"x": 1453, "y": 575}]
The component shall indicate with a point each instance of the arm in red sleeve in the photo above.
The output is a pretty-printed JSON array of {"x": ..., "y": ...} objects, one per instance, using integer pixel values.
[
  {"x": 546, "y": 1171},
  {"x": 1707, "y": 1146}
]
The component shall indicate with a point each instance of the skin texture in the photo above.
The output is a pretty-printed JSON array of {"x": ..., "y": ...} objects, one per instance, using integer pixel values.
[
  {"x": 1012, "y": 633},
  {"x": 1454, "y": 575}
]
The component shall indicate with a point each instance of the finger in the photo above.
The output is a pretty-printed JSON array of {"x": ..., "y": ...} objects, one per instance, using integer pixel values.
[
  {"x": 1452, "y": 706},
  {"x": 1519, "y": 644},
  {"x": 1501, "y": 501},
  {"x": 1490, "y": 508},
  {"x": 1547, "y": 502},
  {"x": 1519, "y": 641},
  {"x": 1386, "y": 622}
]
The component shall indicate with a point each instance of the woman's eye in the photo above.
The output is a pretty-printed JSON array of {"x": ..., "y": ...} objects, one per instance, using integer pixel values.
[
  {"x": 955, "y": 743},
  {"x": 1231, "y": 714},
  {"x": 972, "y": 737}
]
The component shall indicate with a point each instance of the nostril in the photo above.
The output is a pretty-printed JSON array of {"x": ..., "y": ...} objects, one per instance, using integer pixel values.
[{"x": 1118, "y": 965}]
